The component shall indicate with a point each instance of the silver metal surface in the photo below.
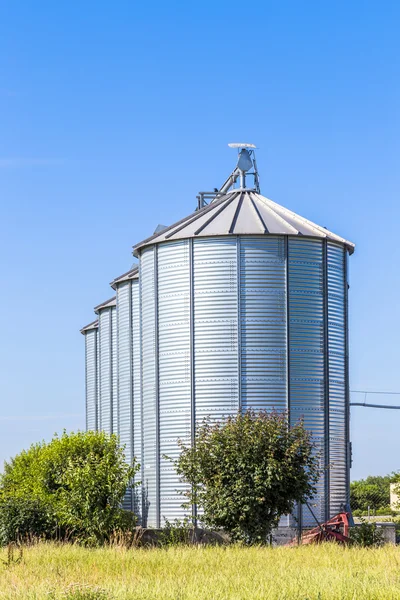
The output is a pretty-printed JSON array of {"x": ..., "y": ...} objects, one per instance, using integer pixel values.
[
  {"x": 242, "y": 212},
  {"x": 150, "y": 460},
  {"x": 263, "y": 322},
  {"x": 243, "y": 322},
  {"x": 174, "y": 369},
  {"x": 337, "y": 322},
  {"x": 91, "y": 361},
  {"x": 306, "y": 351},
  {"x": 128, "y": 367},
  {"x": 125, "y": 374},
  {"x": 136, "y": 410},
  {"x": 105, "y": 369},
  {"x": 114, "y": 373},
  {"x": 129, "y": 275}
]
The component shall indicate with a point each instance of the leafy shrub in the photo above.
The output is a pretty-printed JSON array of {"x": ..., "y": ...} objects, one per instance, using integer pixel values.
[
  {"x": 23, "y": 517},
  {"x": 248, "y": 471},
  {"x": 366, "y": 535},
  {"x": 76, "y": 481}
]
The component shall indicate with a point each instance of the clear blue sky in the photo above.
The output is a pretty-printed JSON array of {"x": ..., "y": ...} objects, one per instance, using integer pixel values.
[{"x": 114, "y": 115}]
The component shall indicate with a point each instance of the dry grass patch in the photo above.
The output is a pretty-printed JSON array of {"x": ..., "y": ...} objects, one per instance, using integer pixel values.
[{"x": 326, "y": 572}]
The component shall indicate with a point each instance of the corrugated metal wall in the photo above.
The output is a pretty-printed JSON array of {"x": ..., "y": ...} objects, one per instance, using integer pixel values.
[
  {"x": 337, "y": 323},
  {"x": 124, "y": 366},
  {"x": 263, "y": 323},
  {"x": 212, "y": 325},
  {"x": 216, "y": 331},
  {"x": 150, "y": 408},
  {"x": 114, "y": 372},
  {"x": 307, "y": 350},
  {"x": 105, "y": 370},
  {"x": 128, "y": 369},
  {"x": 91, "y": 378},
  {"x": 174, "y": 368},
  {"x": 136, "y": 391},
  {"x": 244, "y": 320}
]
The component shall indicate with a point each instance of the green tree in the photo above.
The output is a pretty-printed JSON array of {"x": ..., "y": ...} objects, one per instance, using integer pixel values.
[
  {"x": 80, "y": 479},
  {"x": 372, "y": 492},
  {"x": 248, "y": 471}
]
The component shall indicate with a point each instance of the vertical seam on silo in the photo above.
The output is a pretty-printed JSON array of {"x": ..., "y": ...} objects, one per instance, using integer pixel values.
[
  {"x": 326, "y": 382},
  {"x": 287, "y": 329},
  {"x": 288, "y": 359},
  {"x": 192, "y": 360},
  {"x": 96, "y": 383},
  {"x": 347, "y": 382},
  {"x": 157, "y": 386},
  {"x": 239, "y": 321},
  {"x": 86, "y": 380},
  {"x": 117, "y": 350},
  {"x": 115, "y": 370},
  {"x": 143, "y": 508},
  {"x": 110, "y": 372},
  {"x": 99, "y": 375},
  {"x": 131, "y": 376}
]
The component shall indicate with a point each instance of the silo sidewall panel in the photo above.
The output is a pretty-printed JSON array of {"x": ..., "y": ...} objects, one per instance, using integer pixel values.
[
  {"x": 337, "y": 322},
  {"x": 216, "y": 354},
  {"x": 136, "y": 431},
  {"x": 307, "y": 351},
  {"x": 149, "y": 385},
  {"x": 125, "y": 376},
  {"x": 91, "y": 378},
  {"x": 263, "y": 323},
  {"x": 173, "y": 274},
  {"x": 114, "y": 371},
  {"x": 105, "y": 366}
]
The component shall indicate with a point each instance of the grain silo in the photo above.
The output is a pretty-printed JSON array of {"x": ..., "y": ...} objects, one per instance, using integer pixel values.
[{"x": 243, "y": 305}]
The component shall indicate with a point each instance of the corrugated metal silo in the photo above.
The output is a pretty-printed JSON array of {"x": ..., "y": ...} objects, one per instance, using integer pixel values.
[
  {"x": 128, "y": 375},
  {"x": 91, "y": 374},
  {"x": 244, "y": 305}
]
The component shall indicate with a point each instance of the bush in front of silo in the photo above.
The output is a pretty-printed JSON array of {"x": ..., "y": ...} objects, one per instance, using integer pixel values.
[
  {"x": 248, "y": 471},
  {"x": 24, "y": 519},
  {"x": 69, "y": 488},
  {"x": 366, "y": 534}
]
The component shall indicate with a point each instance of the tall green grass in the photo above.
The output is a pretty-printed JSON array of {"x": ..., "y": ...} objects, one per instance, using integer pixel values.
[{"x": 202, "y": 573}]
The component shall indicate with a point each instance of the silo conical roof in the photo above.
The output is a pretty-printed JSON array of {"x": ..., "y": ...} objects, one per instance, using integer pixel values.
[
  {"x": 107, "y": 304},
  {"x": 242, "y": 212},
  {"x": 131, "y": 274}
]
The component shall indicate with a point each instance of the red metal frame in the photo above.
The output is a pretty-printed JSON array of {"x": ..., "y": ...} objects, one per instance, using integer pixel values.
[{"x": 334, "y": 530}]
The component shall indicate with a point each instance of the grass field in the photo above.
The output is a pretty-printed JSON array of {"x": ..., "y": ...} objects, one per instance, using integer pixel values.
[{"x": 179, "y": 573}]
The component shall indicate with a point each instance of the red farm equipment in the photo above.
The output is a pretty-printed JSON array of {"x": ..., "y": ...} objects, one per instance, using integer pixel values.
[{"x": 334, "y": 530}]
